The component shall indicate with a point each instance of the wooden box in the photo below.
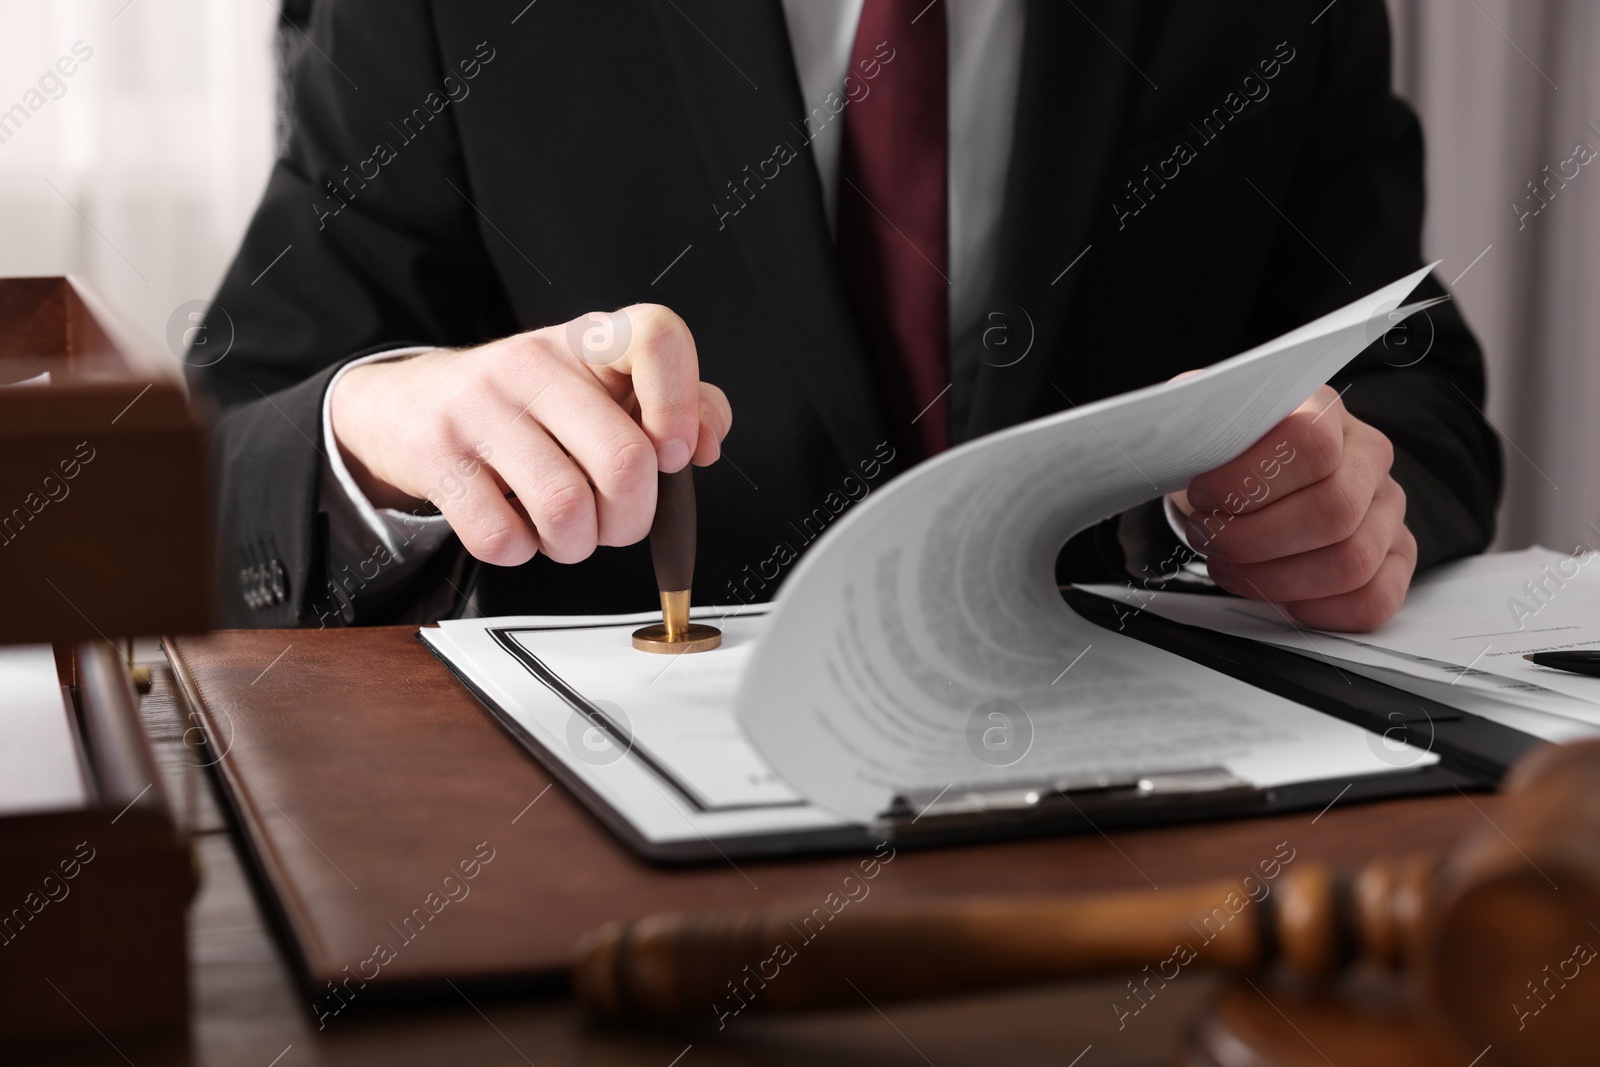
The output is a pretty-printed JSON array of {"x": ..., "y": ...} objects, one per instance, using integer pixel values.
[
  {"x": 103, "y": 536},
  {"x": 103, "y": 523}
]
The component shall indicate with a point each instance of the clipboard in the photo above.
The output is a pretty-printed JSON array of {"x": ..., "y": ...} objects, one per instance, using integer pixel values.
[{"x": 1473, "y": 754}]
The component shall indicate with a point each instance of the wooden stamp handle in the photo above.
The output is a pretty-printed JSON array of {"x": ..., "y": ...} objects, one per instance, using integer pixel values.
[{"x": 672, "y": 535}]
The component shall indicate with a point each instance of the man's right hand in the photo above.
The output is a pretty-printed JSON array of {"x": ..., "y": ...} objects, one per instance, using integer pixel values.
[{"x": 564, "y": 427}]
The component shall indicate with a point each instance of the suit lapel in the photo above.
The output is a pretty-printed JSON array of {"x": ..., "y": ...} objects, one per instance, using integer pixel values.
[
  {"x": 1072, "y": 101},
  {"x": 735, "y": 73}
]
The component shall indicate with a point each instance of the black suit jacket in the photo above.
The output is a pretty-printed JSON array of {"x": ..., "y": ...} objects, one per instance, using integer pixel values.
[{"x": 586, "y": 164}]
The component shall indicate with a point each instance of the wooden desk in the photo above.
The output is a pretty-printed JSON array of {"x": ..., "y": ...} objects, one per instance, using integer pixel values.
[{"x": 248, "y": 1012}]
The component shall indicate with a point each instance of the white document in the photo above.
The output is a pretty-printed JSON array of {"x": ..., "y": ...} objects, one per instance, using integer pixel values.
[
  {"x": 922, "y": 643},
  {"x": 1459, "y": 638},
  {"x": 1486, "y": 616},
  {"x": 653, "y": 737},
  {"x": 935, "y": 605}
]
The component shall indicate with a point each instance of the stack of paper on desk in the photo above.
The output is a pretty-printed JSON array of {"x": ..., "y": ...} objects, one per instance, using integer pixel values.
[
  {"x": 1459, "y": 639},
  {"x": 921, "y": 644}
]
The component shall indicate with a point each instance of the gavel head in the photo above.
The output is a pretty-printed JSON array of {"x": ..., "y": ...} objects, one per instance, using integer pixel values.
[{"x": 1510, "y": 957}]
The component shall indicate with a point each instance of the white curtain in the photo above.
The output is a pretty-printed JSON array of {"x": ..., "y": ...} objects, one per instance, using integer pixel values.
[
  {"x": 140, "y": 169},
  {"x": 1505, "y": 90}
]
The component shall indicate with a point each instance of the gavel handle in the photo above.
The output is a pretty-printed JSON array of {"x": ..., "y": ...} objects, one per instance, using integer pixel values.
[{"x": 677, "y": 966}]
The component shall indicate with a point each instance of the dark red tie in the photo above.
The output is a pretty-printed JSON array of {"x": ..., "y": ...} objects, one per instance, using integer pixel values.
[{"x": 893, "y": 211}]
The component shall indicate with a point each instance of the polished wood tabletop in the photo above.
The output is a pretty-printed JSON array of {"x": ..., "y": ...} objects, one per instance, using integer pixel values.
[{"x": 246, "y": 1009}]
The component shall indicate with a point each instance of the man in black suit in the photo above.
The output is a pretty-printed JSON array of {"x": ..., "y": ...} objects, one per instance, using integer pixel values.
[{"x": 1132, "y": 189}]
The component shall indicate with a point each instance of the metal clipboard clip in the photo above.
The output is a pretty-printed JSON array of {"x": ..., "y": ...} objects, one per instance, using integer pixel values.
[{"x": 1070, "y": 803}]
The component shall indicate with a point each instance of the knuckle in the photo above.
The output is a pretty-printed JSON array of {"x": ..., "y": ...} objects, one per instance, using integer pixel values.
[
  {"x": 1379, "y": 600},
  {"x": 716, "y": 408},
  {"x": 494, "y": 375},
  {"x": 1213, "y": 483},
  {"x": 1340, "y": 507},
  {"x": 542, "y": 367},
  {"x": 419, "y": 451},
  {"x": 653, "y": 317},
  {"x": 1384, "y": 449},
  {"x": 656, "y": 326},
  {"x": 537, "y": 347},
  {"x": 1250, "y": 546},
  {"x": 433, "y": 424},
  {"x": 627, "y": 459},
  {"x": 1405, "y": 545},
  {"x": 595, "y": 338},
  {"x": 1394, "y": 492},
  {"x": 1354, "y": 562},
  {"x": 1206, "y": 527},
  {"x": 1235, "y": 540},
  {"x": 1394, "y": 598},
  {"x": 1218, "y": 548},
  {"x": 1323, "y": 447},
  {"x": 485, "y": 377},
  {"x": 507, "y": 356},
  {"x": 500, "y": 544},
  {"x": 564, "y": 503}
]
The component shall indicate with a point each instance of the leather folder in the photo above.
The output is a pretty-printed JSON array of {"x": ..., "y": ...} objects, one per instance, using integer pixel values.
[{"x": 382, "y": 807}]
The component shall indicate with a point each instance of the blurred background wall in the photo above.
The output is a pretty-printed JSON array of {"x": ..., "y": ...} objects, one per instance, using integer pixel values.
[
  {"x": 1506, "y": 89},
  {"x": 140, "y": 170}
]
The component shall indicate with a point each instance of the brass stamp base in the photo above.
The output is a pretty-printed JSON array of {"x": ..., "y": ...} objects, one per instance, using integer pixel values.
[{"x": 694, "y": 637}]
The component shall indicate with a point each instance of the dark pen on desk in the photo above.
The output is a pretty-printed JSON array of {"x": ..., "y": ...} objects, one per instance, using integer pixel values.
[
  {"x": 672, "y": 546},
  {"x": 1578, "y": 662}
]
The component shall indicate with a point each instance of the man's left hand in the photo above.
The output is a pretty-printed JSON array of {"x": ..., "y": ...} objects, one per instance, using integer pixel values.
[{"x": 1308, "y": 518}]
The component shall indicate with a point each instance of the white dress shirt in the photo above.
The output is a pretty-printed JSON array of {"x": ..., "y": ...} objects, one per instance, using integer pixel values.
[{"x": 985, "y": 58}]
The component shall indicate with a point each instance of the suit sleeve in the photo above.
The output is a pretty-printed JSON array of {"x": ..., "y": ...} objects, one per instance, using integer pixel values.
[
  {"x": 365, "y": 239},
  {"x": 1356, "y": 204}
]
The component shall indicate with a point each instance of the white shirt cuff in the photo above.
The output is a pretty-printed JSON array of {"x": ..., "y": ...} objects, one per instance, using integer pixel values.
[{"x": 355, "y": 527}]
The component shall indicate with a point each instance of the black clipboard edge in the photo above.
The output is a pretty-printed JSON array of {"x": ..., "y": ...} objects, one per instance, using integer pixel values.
[{"x": 1480, "y": 750}]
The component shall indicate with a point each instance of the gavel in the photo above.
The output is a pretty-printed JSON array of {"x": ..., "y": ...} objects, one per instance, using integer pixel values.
[{"x": 1497, "y": 937}]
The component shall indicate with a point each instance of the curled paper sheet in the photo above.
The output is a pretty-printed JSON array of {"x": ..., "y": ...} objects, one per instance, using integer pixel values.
[{"x": 922, "y": 642}]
